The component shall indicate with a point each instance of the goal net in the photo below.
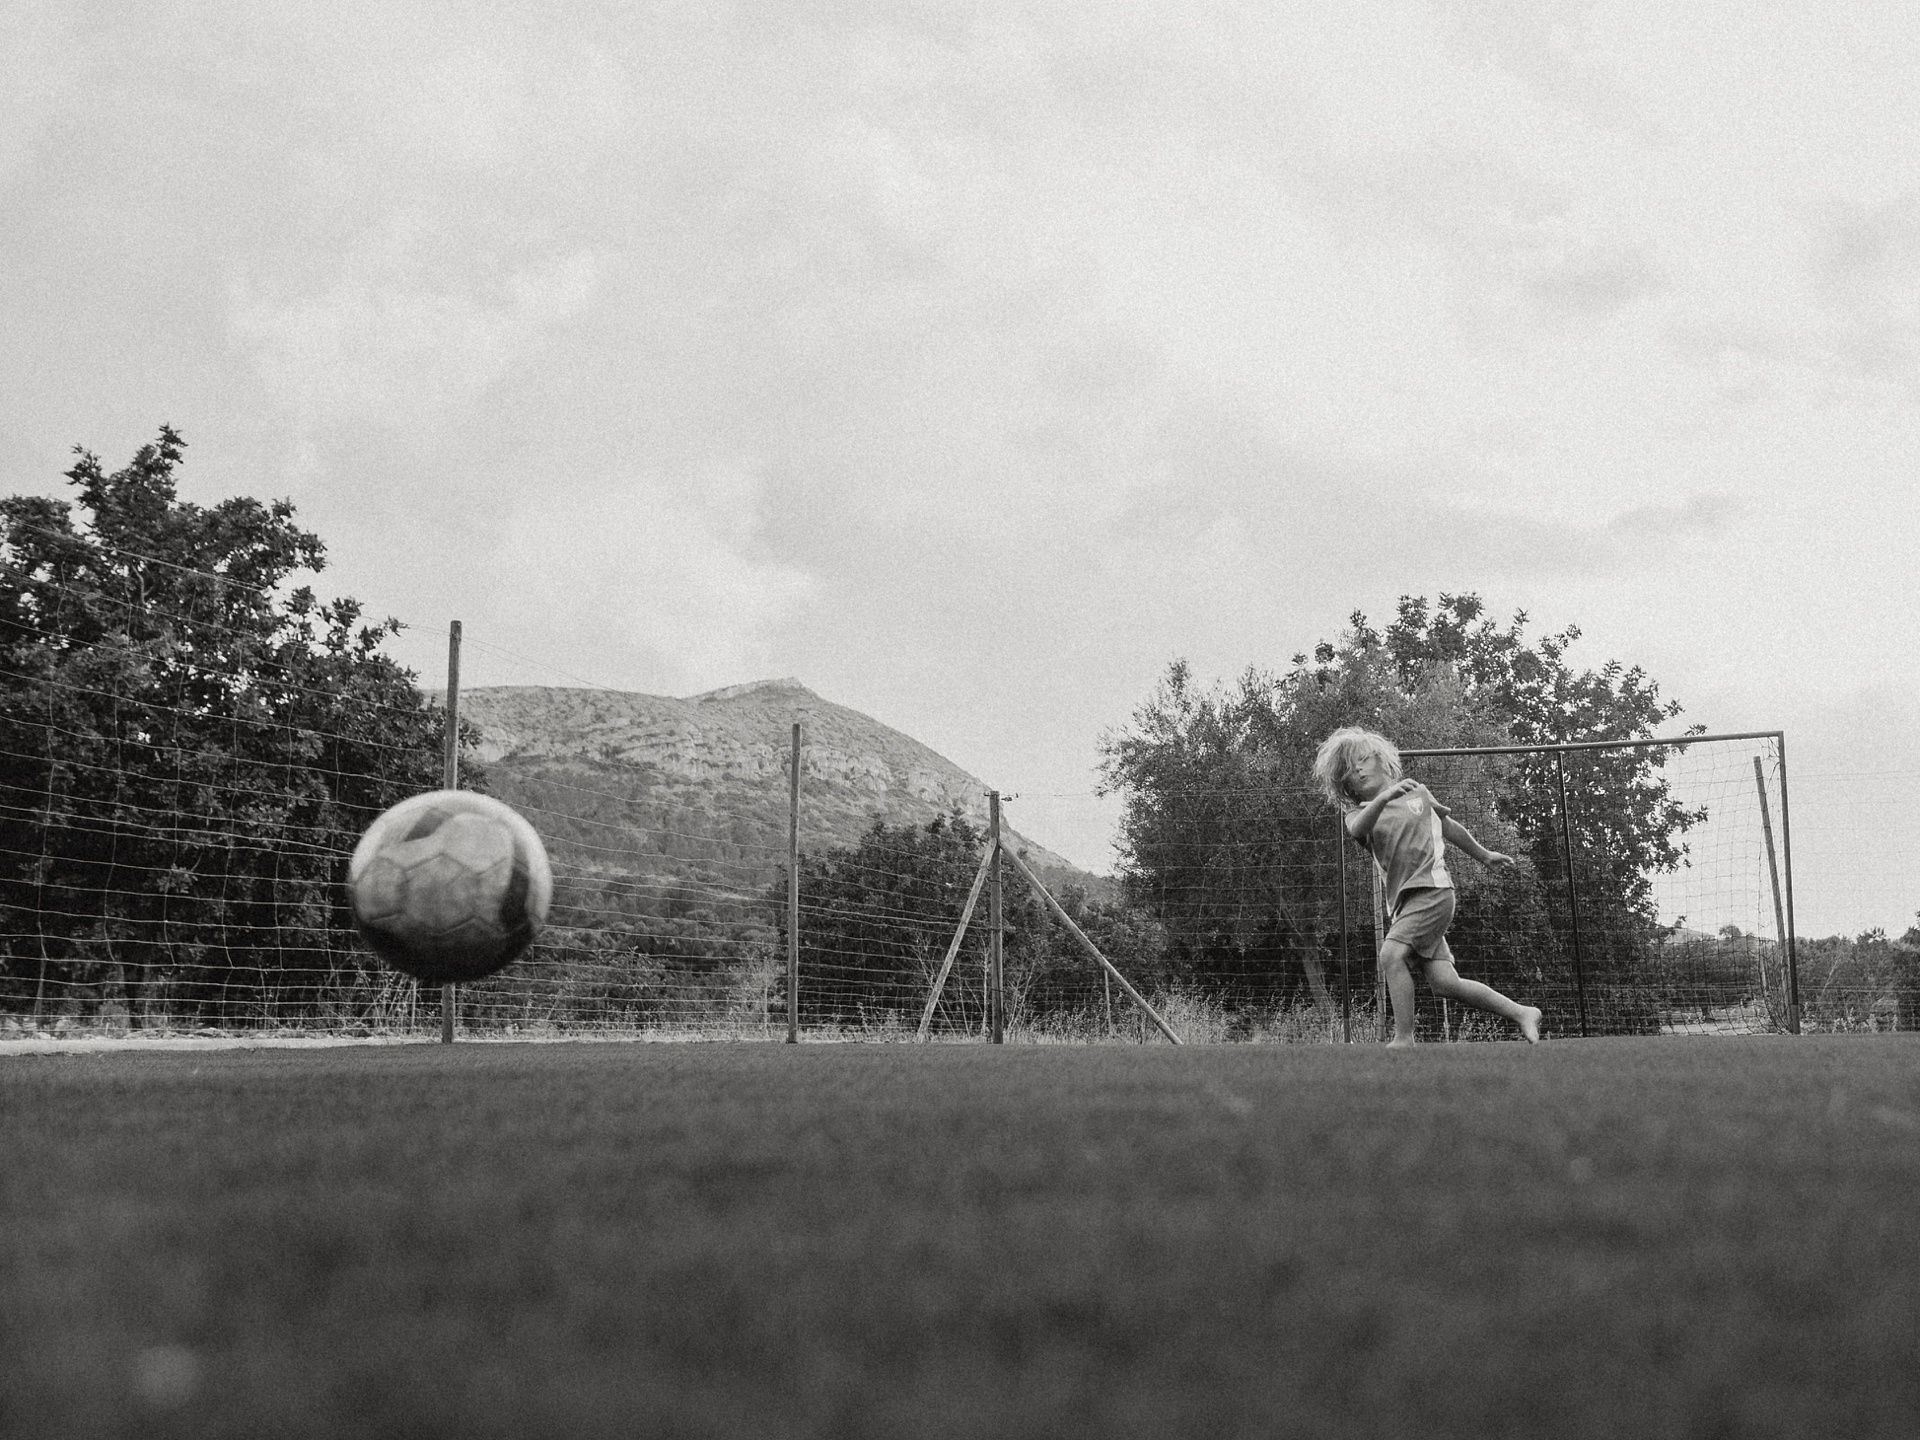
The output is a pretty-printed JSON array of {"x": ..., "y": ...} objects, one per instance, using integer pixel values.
[{"x": 1653, "y": 889}]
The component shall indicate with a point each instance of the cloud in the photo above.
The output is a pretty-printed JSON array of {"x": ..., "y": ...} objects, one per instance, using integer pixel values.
[
  {"x": 980, "y": 358},
  {"x": 496, "y": 107},
  {"x": 1596, "y": 279},
  {"x": 1522, "y": 546},
  {"x": 1866, "y": 268},
  {"x": 387, "y": 344},
  {"x": 646, "y": 574},
  {"x": 1698, "y": 517},
  {"x": 42, "y": 68}
]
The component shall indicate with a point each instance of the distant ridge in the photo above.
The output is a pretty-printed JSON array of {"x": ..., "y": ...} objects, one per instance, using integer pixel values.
[
  {"x": 724, "y": 753},
  {"x": 788, "y": 685}
]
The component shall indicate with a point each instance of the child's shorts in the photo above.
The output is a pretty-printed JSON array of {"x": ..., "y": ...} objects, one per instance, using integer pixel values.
[{"x": 1421, "y": 919}]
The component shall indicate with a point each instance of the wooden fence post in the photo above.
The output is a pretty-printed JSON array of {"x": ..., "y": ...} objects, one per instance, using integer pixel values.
[{"x": 449, "y": 994}]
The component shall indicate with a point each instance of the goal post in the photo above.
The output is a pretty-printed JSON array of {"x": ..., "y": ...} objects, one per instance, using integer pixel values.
[{"x": 1652, "y": 893}]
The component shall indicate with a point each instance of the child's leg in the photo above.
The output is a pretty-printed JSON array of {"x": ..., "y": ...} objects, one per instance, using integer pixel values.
[
  {"x": 1393, "y": 965},
  {"x": 1443, "y": 979}
]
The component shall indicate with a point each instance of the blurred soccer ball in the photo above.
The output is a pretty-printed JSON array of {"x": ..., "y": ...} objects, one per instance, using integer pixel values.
[{"x": 449, "y": 886}]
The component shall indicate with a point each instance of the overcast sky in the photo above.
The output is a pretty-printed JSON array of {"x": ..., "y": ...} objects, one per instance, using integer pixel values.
[{"x": 970, "y": 362}]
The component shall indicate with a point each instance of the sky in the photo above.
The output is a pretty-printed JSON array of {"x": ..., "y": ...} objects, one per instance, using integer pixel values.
[{"x": 972, "y": 362}]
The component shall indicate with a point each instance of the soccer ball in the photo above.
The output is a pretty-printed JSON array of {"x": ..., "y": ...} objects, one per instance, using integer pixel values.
[{"x": 449, "y": 886}]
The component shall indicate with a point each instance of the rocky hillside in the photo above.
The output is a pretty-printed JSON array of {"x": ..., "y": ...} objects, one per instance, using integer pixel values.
[{"x": 626, "y": 782}]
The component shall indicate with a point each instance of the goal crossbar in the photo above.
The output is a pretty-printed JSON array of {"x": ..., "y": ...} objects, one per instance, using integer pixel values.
[{"x": 1682, "y": 740}]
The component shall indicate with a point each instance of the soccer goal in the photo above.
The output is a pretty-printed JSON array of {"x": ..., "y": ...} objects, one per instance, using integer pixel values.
[{"x": 1653, "y": 893}]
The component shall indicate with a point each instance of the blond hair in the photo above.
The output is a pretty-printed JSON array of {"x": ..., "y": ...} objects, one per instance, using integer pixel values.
[{"x": 1341, "y": 751}]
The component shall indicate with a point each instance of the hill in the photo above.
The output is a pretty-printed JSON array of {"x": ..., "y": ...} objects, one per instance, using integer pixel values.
[{"x": 620, "y": 782}]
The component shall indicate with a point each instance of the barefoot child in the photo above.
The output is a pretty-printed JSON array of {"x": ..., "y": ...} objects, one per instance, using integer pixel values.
[{"x": 1407, "y": 832}]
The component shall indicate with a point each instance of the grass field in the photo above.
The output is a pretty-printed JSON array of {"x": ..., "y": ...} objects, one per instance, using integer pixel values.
[{"x": 1653, "y": 1238}]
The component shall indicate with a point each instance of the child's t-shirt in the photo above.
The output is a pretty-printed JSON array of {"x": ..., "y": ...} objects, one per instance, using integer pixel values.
[{"x": 1407, "y": 846}]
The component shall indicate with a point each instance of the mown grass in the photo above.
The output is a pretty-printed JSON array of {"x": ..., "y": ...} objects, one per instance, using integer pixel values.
[{"x": 1646, "y": 1237}]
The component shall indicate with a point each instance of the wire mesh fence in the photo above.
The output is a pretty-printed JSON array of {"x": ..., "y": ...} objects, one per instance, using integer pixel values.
[{"x": 176, "y": 819}]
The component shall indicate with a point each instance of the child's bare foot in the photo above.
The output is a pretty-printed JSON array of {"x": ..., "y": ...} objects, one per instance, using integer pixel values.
[
  {"x": 1530, "y": 1023},
  {"x": 1399, "y": 1044}
]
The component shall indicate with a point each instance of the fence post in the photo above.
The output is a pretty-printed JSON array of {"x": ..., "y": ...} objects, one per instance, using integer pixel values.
[
  {"x": 1773, "y": 874},
  {"x": 1573, "y": 900},
  {"x": 997, "y": 996},
  {"x": 449, "y": 995},
  {"x": 1346, "y": 980},
  {"x": 1786, "y": 844},
  {"x": 793, "y": 892},
  {"x": 1380, "y": 1005}
]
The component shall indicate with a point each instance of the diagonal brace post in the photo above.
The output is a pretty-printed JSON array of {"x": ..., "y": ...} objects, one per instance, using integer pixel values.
[
  {"x": 959, "y": 934},
  {"x": 1092, "y": 949}
]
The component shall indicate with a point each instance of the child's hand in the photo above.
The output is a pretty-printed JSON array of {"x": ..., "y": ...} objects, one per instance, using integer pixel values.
[
  {"x": 1494, "y": 857},
  {"x": 1401, "y": 787}
]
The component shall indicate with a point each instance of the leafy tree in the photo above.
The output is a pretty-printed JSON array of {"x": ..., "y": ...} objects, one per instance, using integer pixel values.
[
  {"x": 1908, "y": 946},
  {"x": 1624, "y": 808},
  {"x": 192, "y": 748},
  {"x": 1223, "y": 838},
  {"x": 1867, "y": 982}
]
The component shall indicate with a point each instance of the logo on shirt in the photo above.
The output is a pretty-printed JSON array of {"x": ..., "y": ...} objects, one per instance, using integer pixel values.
[{"x": 1416, "y": 804}]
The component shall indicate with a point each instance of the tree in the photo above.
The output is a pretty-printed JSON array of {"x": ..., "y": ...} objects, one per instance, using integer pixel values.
[
  {"x": 1867, "y": 982},
  {"x": 1223, "y": 838},
  {"x": 193, "y": 748},
  {"x": 1626, "y": 813},
  {"x": 1909, "y": 947}
]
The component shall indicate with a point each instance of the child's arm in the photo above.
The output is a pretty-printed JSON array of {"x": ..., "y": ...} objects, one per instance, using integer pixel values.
[
  {"x": 1457, "y": 834},
  {"x": 1360, "y": 822}
]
